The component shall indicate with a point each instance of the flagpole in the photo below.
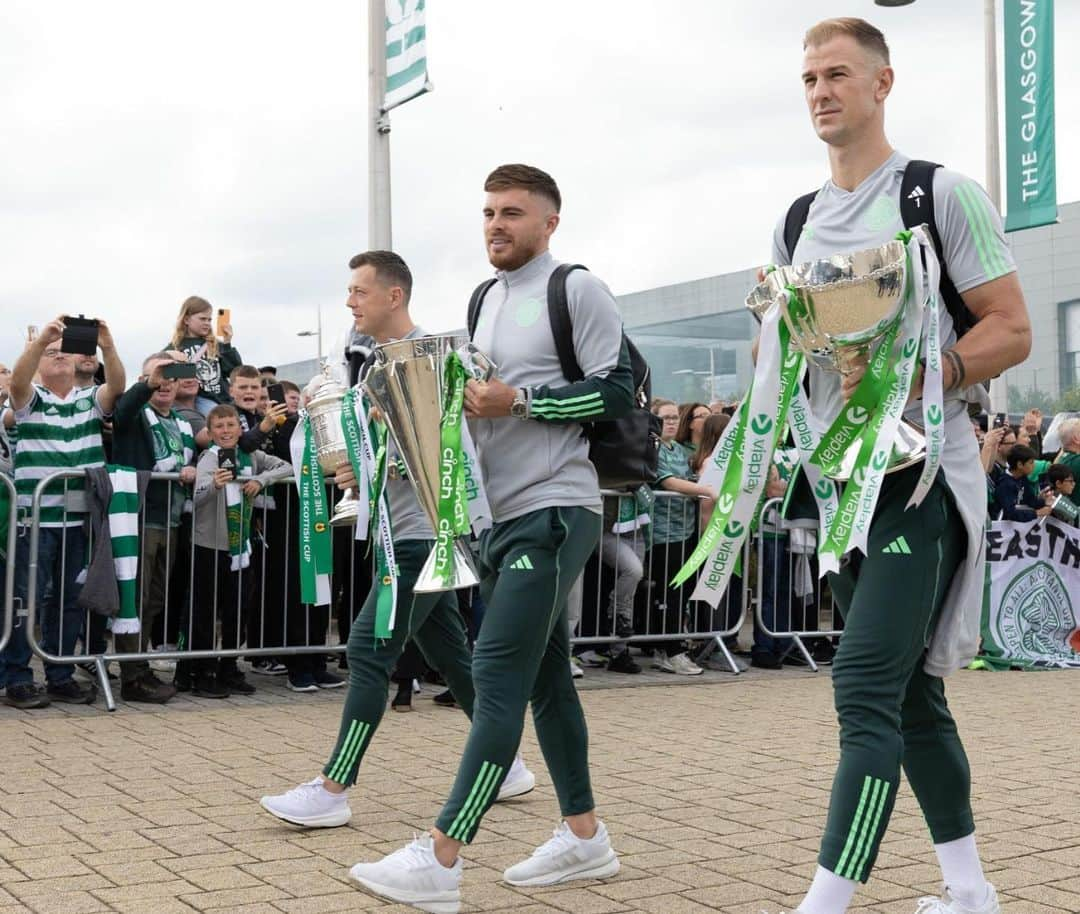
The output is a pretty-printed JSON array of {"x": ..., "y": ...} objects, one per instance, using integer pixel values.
[{"x": 379, "y": 237}]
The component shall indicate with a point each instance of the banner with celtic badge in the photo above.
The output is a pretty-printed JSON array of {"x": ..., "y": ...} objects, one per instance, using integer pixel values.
[{"x": 1031, "y": 608}]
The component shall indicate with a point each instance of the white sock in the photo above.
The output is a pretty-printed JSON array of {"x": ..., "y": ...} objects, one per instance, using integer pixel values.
[
  {"x": 829, "y": 894},
  {"x": 962, "y": 871}
]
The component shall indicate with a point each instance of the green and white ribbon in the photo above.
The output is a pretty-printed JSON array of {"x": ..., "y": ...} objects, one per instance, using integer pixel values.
[
  {"x": 316, "y": 549},
  {"x": 807, "y": 437},
  {"x": 851, "y": 527},
  {"x": 744, "y": 457},
  {"x": 374, "y": 445},
  {"x": 933, "y": 397},
  {"x": 453, "y": 511}
]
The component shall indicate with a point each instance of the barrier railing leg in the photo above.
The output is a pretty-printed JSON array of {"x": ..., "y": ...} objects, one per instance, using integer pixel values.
[
  {"x": 718, "y": 644},
  {"x": 806, "y": 654},
  {"x": 103, "y": 678}
]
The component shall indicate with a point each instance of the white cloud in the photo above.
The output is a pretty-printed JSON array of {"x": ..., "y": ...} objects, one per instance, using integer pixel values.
[{"x": 220, "y": 148}]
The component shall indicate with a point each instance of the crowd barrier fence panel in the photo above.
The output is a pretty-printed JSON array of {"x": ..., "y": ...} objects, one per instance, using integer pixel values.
[
  {"x": 657, "y": 622},
  {"x": 243, "y": 619},
  {"x": 780, "y": 575}
]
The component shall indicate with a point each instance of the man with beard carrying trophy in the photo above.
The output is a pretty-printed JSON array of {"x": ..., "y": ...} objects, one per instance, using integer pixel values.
[
  {"x": 394, "y": 610},
  {"x": 888, "y": 319}
]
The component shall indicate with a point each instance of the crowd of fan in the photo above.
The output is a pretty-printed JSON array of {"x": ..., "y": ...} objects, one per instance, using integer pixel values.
[
  {"x": 1025, "y": 481},
  {"x": 199, "y": 588}
]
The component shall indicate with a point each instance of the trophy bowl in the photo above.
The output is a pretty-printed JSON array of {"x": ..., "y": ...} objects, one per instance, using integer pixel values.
[
  {"x": 324, "y": 411},
  {"x": 407, "y": 384},
  {"x": 843, "y": 305}
]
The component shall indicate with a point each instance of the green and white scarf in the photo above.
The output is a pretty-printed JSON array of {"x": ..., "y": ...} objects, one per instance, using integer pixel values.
[
  {"x": 124, "y": 533},
  {"x": 238, "y": 513}
]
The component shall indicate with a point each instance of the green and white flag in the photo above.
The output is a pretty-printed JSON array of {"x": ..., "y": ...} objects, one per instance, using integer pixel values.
[
  {"x": 1030, "y": 179},
  {"x": 406, "y": 52},
  {"x": 1031, "y": 608}
]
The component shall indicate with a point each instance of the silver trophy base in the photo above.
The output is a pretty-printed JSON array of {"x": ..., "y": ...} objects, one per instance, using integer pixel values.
[
  {"x": 909, "y": 448},
  {"x": 465, "y": 574},
  {"x": 346, "y": 511}
]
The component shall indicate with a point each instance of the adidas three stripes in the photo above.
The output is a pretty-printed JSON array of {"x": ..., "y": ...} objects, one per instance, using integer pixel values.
[{"x": 892, "y": 713}]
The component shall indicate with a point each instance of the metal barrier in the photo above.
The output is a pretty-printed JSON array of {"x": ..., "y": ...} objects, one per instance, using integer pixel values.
[
  {"x": 9, "y": 561},
  {"x": 641, "y": 569},
  {"x": 238, "y": 624},
  {"x": 776, "y": 582}
]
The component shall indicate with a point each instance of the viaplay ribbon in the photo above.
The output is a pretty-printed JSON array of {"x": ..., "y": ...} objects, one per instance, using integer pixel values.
[
  {"x": 374, "y": 443},
  {"x": 316, "y": 551},
  {"x": 453, "y": 512},
  {"x": 933, "y": 396},
  {"x": 743, "y": 458}
]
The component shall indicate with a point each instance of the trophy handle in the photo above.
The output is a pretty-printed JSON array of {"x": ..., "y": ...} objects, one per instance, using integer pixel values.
[{"x": 477, "y": 365}]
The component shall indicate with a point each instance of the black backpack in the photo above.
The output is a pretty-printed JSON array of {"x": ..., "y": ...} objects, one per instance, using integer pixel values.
[
  {"x": 624, "y": 450},
  {"x": 916, "y": 207}
]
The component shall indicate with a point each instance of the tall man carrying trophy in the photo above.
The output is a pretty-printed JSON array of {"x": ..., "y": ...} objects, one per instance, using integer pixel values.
[
  {"x": 905, "y": 538},
  {"x": 545, "y": 504},
  {"x": 393, "y": 612}
]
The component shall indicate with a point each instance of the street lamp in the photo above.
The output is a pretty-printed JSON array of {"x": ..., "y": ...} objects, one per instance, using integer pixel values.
[{"x": 317, "y": 332}]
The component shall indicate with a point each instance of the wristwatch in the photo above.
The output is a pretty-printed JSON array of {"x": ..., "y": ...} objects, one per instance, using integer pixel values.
[{"x": 519, "y": 409}]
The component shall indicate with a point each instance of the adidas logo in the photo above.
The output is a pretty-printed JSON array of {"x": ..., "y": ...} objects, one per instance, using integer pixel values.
[
  {"x": 523, "y": 564},
  {"x": 917, "y": 194},
  {"x": 898, "y": 546}
]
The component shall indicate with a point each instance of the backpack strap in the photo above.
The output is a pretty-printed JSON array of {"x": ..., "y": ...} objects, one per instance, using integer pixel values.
[
  {"x": 917, "y": 207},
  {"x": 561, "y": 327},
  {"x": 795, "y": 220},
  {"x": 474, "y": 304}
]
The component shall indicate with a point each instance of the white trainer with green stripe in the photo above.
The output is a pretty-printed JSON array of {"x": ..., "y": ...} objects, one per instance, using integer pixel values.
[
  {"x": 949, "y": 905},
  {"x": 566, "y": 857},
  {"x": 413, "y": 876},
  {"x": 311, "y": 805}
]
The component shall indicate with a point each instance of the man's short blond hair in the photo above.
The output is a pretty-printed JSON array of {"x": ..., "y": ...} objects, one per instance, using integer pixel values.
[{"x": 867, "y": 36}]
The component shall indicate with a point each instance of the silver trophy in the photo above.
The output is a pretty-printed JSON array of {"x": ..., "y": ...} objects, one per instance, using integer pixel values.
[
  {"x": 848, "y": 303},
  {"x": 406, "y": 383},
  {"x": 324, "y": 411}
]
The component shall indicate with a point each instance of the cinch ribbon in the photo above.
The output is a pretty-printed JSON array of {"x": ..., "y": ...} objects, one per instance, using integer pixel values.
[{"x": 453, "y": 511}]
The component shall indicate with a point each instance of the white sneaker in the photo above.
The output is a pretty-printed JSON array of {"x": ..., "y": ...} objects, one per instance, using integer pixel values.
[
  {"x": 576, "y": 671},
  {"x": 414, "y": 876},
  {"x": 680, "y": 664},
  {"x": 519, "y": 780},
  {"x": 566, "y": 857},
  {"x": 946, "y": 904},
  {"x": 592, "y": 658},
  {"x": 310, "y": 804}
]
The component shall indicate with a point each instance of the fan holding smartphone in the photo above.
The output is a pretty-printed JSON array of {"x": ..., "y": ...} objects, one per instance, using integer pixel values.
[{"x": 205, "y": 338}]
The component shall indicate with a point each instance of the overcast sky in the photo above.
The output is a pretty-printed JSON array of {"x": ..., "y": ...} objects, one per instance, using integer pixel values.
[{"x": 218, "y": 148}]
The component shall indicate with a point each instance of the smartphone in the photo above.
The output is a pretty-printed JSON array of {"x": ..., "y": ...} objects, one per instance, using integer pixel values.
[
  {"x": 224, "y": 318},
  {"x": 31, "y": 333},
  {"x": 276, "y": 393},
  {"x": 178, "y": 370},
  {"x": 80, "y": 335},
  {"x": 999, "y": 420},
  {"x": 226, "y": 460}
]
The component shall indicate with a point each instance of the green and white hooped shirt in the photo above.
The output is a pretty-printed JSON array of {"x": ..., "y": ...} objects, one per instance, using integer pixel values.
[{"x": 57, "y": 434}]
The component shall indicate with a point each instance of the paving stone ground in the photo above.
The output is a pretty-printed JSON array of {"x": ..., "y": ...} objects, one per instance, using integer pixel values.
[{"x": 714, "y": 791}]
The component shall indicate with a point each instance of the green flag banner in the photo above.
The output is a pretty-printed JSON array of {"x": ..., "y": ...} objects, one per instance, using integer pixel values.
[
  {"x": 406, "y": 52},
  {"x": 1030, "y": 178}
]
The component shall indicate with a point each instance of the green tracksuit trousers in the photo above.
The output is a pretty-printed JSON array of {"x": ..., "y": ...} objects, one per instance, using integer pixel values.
[
  {"x": 433, "y": 622},
  {"x": 892, "y": 713},
  {"x": 522, "y": 654}
]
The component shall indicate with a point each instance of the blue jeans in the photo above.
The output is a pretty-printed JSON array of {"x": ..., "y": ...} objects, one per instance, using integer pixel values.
[
  {"x": 776, "y": 597},
  {"x": 61, "y": 557}
]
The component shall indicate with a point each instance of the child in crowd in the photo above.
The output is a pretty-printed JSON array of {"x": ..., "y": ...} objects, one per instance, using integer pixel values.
[
  {"x": 1062, "y": 484},
  {"x": 1014, "y": 496},
  {"x": 222, "y": 531},
  {"x": 214, "y": 360}
]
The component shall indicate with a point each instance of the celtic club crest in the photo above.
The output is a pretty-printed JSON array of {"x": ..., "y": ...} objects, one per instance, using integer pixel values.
[{"x": 1036, "y": 619}]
